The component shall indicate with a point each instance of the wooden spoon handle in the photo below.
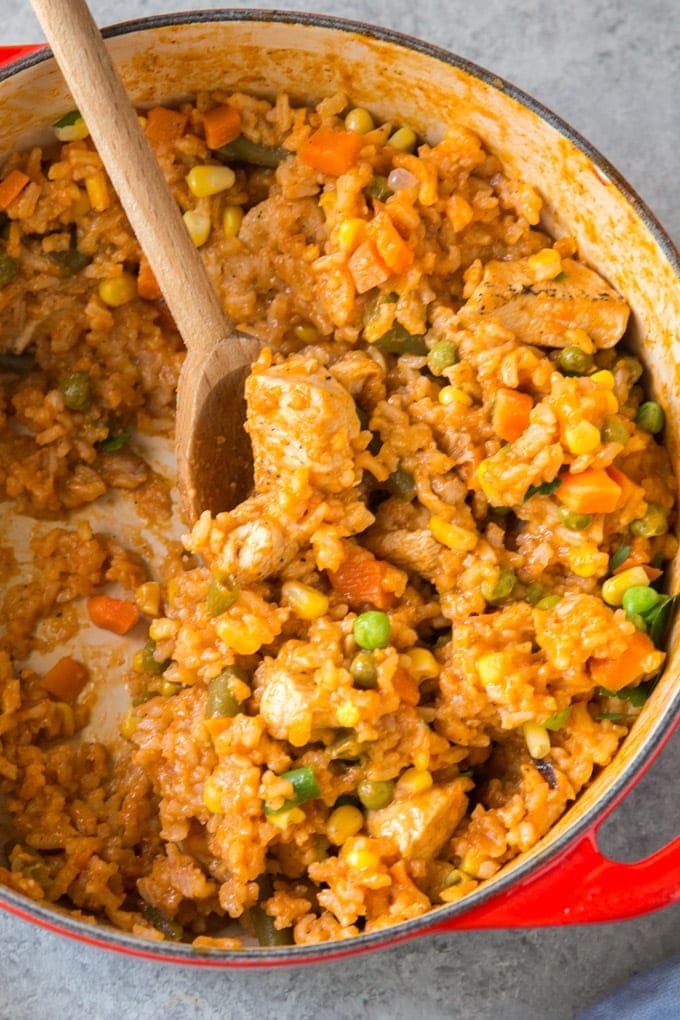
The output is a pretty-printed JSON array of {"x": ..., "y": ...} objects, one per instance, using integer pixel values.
[{"x": 134, "y": 171}]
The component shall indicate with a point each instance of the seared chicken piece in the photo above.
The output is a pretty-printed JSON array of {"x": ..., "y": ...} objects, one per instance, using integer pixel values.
[
  {"x": 303, "y": 427},
  {"x": 421, "y": 825},
  {"x": 540, "y": 312},
  {"x": 401, "y": 534}
]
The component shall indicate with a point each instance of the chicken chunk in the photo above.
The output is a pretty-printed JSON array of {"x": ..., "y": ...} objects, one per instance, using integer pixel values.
[
  {"x": 541, "y": 312},
  {"x": 401, "y": 534},
  {"x": 303, "y": 425},
  {"x": 421, "y": 825}
]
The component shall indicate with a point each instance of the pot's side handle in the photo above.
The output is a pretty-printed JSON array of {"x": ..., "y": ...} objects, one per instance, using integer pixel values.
[
  {"x": 581, "y": 887},
  {"x": 8, "y": 54}
]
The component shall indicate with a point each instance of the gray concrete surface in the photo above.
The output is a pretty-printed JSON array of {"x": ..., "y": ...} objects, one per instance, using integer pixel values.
[{"x": 610, "y": 68}]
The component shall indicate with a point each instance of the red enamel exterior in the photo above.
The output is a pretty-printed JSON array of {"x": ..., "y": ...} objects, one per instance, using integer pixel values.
[{"x": 580, "y": 886}]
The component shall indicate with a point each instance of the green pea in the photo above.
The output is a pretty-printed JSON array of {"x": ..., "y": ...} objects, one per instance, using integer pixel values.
[
  {"x": 223, "y": 593},
  {"x": 150, "y": 663},
  {"x": 378, "y": 188},
  {"x": 375, "y": 795},
  {"x": 638, "y": 621},
  {"x": 442, "y": 355},
  {"x": 614, "y": 431},
  {"x": 650, "y": 417},
  {"x": 655, "y": 522},
  {"x": 70, "y": 262},
  {"x": 76, "y": 390},
  {"x": 502, "y": 587},
  {"x": 372, "y": 630},
  {"x": 363, "y": 671},
  {"x": 534, "y": 593},
  {"x": 221, "y": 702},
  {"x": 574, "y": 361},
  {"x": 575, "y": 522},
  {"x": 9, "y": 268},
  {"x": 402, "y": 483},
  {"x": 549, "y": 602},
  {"x": 640, "y": 599}
]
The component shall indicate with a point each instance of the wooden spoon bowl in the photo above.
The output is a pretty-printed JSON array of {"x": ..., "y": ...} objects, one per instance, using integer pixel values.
[{"x": 214, "y": 459}]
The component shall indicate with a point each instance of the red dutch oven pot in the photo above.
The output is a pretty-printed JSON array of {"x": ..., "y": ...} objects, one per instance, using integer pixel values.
[{"x": 565, "y": 879}]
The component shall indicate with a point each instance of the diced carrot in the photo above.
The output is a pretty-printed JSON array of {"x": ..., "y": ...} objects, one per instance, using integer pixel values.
[
  {"x": 363, "y": 580},
  {"x": 222, "y": 124},
  {"x": 66, "y": 679},
  {"x": 12, "y": 186},
  {"x": 589, "y": 492},
  {"x": 331, "y": 152},
  {"x": 147, "y": 284},
  {"x": 367, "y": 268},
  {"x": 629, "y": 490},
  {"x": 406, "y": 687},
  {"x": 395, "y": 252},
  {"x": 615, "y": 674},
  {"x": 164, "y": 126},
  {"x": 117, "y": 615},
  {"x": 510, "y": 416}
]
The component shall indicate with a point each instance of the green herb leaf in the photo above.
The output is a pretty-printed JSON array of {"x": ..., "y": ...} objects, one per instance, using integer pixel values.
[
  {"x": 636, "y": 696},
  {"x": 115, "y": 442},
  {"x": 544, "y": 489},
  {"x": 68, "y": 120},
  {"x": 558, "y": 719},
  {"x": 657, "y": 619},
  {"x": 619, "y": 556}
]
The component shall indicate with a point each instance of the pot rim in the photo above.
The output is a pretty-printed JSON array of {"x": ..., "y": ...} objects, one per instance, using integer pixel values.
[{"x": 61, "y": 922}]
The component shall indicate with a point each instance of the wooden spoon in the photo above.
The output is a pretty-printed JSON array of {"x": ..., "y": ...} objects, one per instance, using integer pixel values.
[{"x": 214, "y": 458}]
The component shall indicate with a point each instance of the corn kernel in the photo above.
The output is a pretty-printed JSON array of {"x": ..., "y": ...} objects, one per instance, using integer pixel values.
[
  {"x": 306, "y": 333},
  {"x": 74, "y": 132},
  {"x": 351, "y": 233},
  {"x": 328, "y": 199},
  {"x": 452, "y": 535},
  {"x": 240, "y": 637},
  {"x": 142, "y": 120},
  {"x": 128, "y": 724},
  {"x": 545, "y": 264},
  {"x": 362, "y": 860},
  {"x": 162, "y": 629},
  {"x": 344, "y": 822},
  {"x": 305, "y": 601},
  {"x": 614, "y": 588},
  {"x": 537, "y": 739},
  {"x": 403, "y": 140},
  {"x": 212, "y": 796},
  {"x": 80, "y": 206},
  {"x": 576, "y": 337},
  {"x": 491, "y": 668},
  {"x": 98, "y": 191},
  {"x": 414, "y": 781},
  {"x": 198, "y": 224},
  {"x": 582, "y": 438},
  {"x": 348, "y": 715},
  {"x": 452, "y": 395},
  {"x": 148, "y": 598},
  {"x": 138, "y": 661},
  {"x": 604, "y": 378},
  {"x": 359, "y": 120},
  {"x": 588, "y": 561},
  {"x": 286, "y": 818},
  {"x": 611, "y": 401},
  {"x": 422, "y": 664},
  {"x": 118, "y": 290},
  {"x": 232, "y": 218},
  {"x": 204, "y": 181}
]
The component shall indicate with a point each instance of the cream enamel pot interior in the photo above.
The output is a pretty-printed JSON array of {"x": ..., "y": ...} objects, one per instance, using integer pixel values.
[{"x": 564, "y": 879}]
